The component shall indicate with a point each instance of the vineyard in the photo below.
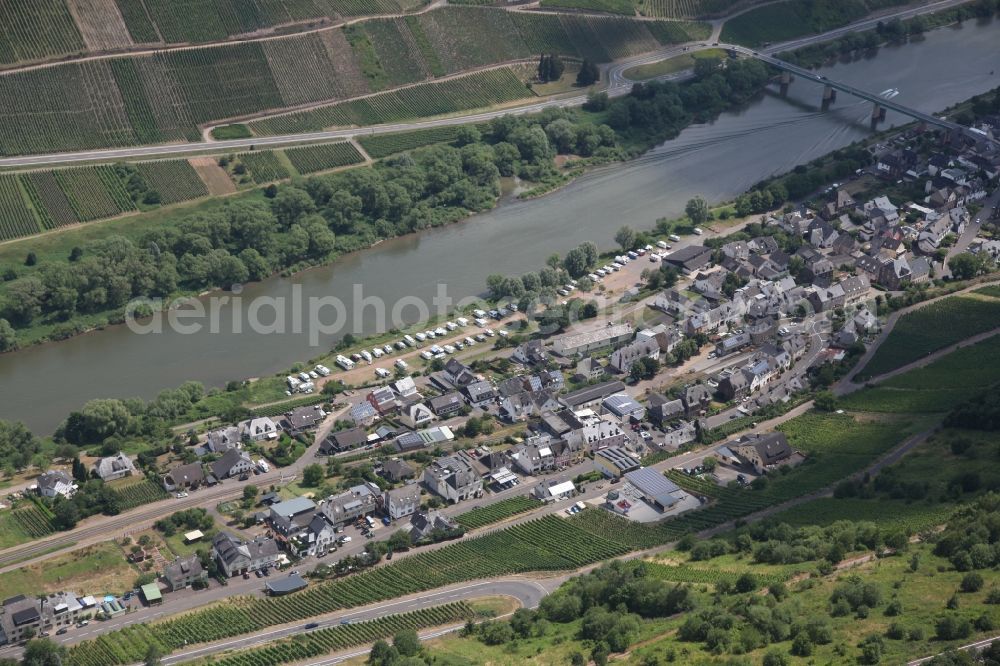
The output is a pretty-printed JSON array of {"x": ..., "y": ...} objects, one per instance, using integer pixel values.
[
  {"x": 129, "y": 497},
  {"x": 910, "y": 517},
  {"x": 263, "y": 167},
  {"x": 37, "y": 29},
  {"x": 931, "y": 328},
  {"x": 546, "y": 544},
  {"x": 383, "y": 145},
  {"x": 93, "y": 192},
  {"x": 708, "y": 575},
  {"x": 333, "y": 639},
  {"x": 468, "y": 92},
  {"x": 173, "y": 180},
  {"x": 692, "y": 8},
  {"x": 610, "y": 6},
  {"x": 16, "y": 218},
  {"x": 34, "y": 519},
  {"x": 324, "y": 157},
  {"x": 493, "y": 513}
]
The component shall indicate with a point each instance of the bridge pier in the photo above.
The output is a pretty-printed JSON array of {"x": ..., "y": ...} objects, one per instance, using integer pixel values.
[
  {"x": 785, "y": 81},
  {"x": 829, "y": 96},
  {"x": 878, "y": 113}
]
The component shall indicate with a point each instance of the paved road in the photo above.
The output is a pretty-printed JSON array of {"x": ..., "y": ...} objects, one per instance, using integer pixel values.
[
  {"x": 978, "y": 645},
  {"x": 617, "y": 85}
]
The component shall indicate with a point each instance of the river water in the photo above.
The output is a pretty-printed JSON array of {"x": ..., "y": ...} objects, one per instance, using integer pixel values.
[{"x": 41, "y": 385}]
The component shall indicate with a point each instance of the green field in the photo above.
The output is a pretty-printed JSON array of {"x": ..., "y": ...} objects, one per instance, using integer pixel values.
[
  {"x": 323, "y": 157},
  {"x": 931, "y": 328},
  {"x": 494, "y": 513},
  {"x": 263, "y": 167},
  {"x": 671, "y": 65},
  {"x": 173, "y": 180},
  {"x": 382, "y": 145},
  {"x": 16, "y": 218},
  {"x": 610, "y": 6}
]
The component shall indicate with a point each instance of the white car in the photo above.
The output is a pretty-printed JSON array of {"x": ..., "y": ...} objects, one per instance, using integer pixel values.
[
  {"x": 181, "y": 495},
  {"x": 345, "y": 539}
]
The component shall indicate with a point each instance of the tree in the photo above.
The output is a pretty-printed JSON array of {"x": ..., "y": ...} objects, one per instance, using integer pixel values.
[
  {"x": 697, "y": 211},
  {"x": 79, "y": 470},
  {"x": 644, "y": 368},
  {"x": 250, "y": 492},
  {"x": 43, "y": 652},
  {"x": 407, "y": 643},
  {"x": 550, "y": 68},
  {"x": 31, "y": 259},
  {"x": 825, "y": 401},
  {"x": 588, "y": 74},
  {"x": 625, "y": 237},
  {"x": 313, "y": 475},
  {"x": 965, "y": 266},
  {"x": 153, "y": 656},
  {"x": 66, "y": 515},
  {"x": 8, "y": 336},
  {"x": 972, "y": 582}
]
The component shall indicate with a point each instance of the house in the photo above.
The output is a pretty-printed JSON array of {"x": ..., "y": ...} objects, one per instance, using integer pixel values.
[
  {"x": 553, "y": 490},
  {"x": 600, "y": 431},
  {"x": 696, "y": 399},
  {"x": 533, "y": 457},
  {"x": 183, "y": 571},
  {"x": 416, "y": 415},
  {"x": 405, "y": 388},
  {"x": 21, "y": 618},
  {"x": 530, "y": 353},
  {"x": 315, "y": 538},
  {"x": 624, "y": 407},
  {"x": 690, "y": 258},
  {"x": 655, "y": 489},
  {"x": 662, "y": 409},
  {"x": 397, "y": 470},
  {"x": 447, "y": 404},
  {"x": 736, "y": 386},
  {"x": 679, "y": 434},
  {"x": 733, "y": 343},
  {"x": 761, "y": 452},
  {"x": 302, "y": 419},
  {"x": 459, "y": 374},
  {"x": 55, "y": 483},
  {"x": 623, "y": 358},
  {"x": 615, "y": 461},
  {"x": 114, "y": 467},
  {"x": 599, "y": 338},
  {"x": 233, "y": 462},
  {"x": 258, "y": 429},
  {"x": 364, "y": 414},
  {"x": 409, "y": 441},
  {"x": 186, "y": 477},
  {"x": 236, "y": 557},
  {"x": 355, "y": 502},
  {"x": 824, "y": 299},
  {"x": 343, "y": 440},
  {"x": 383, "y": 399},
  {"x": 521, "y": 406},
  {"x": 223, "y": 439},
  {"x": 588, "y": 369},
  {"x": 591, "y": 396},
  {"x": 290, "y": 516},
  {"x": 479, "y": 393},
  {"x": 425, "y": 524},
  {"x": 401, "y": 502},
  {"x": 453, "y": 478}
]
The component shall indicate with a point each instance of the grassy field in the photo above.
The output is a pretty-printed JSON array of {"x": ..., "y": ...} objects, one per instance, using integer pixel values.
[
  {"x": 931, "y": 328},
  {"x": 671, "y": 65},
  {"x": 98, "y": 569}
]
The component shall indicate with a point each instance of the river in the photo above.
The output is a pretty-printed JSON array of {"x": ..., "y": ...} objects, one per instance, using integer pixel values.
[{"x": 719, "y": 160}]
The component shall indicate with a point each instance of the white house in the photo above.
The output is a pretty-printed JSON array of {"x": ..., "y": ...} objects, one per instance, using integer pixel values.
[{"x": 55, "y": 482}]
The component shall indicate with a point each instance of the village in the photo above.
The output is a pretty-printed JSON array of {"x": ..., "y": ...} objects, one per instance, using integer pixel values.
[{"x": 486, "y": 413}]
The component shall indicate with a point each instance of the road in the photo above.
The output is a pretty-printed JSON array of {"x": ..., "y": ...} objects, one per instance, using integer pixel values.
[
  {"x": 978, "y": 645},
  {"x": 617, "y": 85}
]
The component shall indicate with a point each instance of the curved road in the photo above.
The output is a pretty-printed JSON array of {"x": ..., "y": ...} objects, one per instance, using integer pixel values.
[{"x": 618, "y": 85}]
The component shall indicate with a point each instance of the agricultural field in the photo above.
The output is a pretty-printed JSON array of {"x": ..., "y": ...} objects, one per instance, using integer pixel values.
[
  {"x": 16, "y": 218},
  {"x": 263, "y": 167},
  {"x": 173, "y": 180},
  {"x": 707, "y": 573},
  {"x": 483, "y": 89},
  {"x": 37, "y": 30},
  {"x": 671, "y": 65},
  {"x": 323, "y": 157},
  {"x": 33, "y": 519},
  {"x": 93, "y": 192},
  {"x": 130, "y": 496},
  {"x": 786, "y": 20},
  {"x": 97, "y": 569},
  {"x": 383, "y": 145},
  {"x": 494, "y": 513},
  {"x": 888, "y": 514},
  {"x": 334, "y": 639},
  {"x": 931, "y": 328},
  {"x": 610, "y": 6}
]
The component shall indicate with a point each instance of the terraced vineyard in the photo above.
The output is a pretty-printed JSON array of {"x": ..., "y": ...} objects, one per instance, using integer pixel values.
[
  {"x": 323, "y": 157},
  {"x": 692, "y": 8},
  {"x": 482, "y": 89},
  {"x": 16, "y": 218},
  {"x": 610, "y": 6},
  {"x": 263, "y": 167},
  {"x": 382, "y": 145},
  {"x": 174, "y": 180},
  {"x": 493, "y": 513}
]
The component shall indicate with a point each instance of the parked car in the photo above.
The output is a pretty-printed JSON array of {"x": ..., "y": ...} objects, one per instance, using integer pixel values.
[{"x": 312, "y": 625}]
